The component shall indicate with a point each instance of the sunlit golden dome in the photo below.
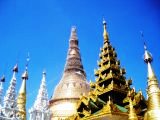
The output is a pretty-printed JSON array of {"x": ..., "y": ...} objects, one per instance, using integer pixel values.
[{"x": 72, "y": 84}]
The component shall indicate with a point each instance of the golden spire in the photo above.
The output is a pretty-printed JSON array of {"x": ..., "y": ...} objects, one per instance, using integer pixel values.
[
  {"x": 72, "y": 84},
  {"x": 105, "y": 33},
  {"x": 153, "y": 90},
  {"x": 132, "y": 114},
  {"x": 21, "y": 100}
]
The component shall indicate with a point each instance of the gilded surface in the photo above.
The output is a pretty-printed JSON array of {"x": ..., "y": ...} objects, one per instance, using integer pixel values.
[
  {"x": 109, "y": 97},
  {"x": 72, "y": 85},
  {"x": 153, "y": 90},
  {"x": 21, "y": 100},
  {"x": 21, "y": 104}
]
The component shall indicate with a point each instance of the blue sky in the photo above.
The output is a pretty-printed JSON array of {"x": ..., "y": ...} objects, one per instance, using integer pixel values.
[{"x": 42, "y": 28}]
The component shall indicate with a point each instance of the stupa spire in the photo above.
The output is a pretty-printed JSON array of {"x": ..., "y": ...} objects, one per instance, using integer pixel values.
[
  {"x": 21, "y": 100},
  {"x": 73, "y": 63},
  {"x": 10, "y": 96},
  {"x": 105, "y": 33},
  {"x": 153, "y": 90},
  {"x": 72, "y": 84},
  {"x": 40, "y": 109}
]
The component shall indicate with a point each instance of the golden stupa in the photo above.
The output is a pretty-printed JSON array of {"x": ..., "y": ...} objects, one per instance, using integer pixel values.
[{"x": 72, "y": 84}]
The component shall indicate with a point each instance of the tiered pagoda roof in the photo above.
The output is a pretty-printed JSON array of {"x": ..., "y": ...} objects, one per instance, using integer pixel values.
[
  {"x": 10, "y": 104},
  {"x": 111, "y": 93},
  {"x": 40, "y": 109}
]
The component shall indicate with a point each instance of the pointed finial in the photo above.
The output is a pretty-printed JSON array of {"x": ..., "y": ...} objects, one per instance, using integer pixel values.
[
  {"x": 15, "y": 68},
  {"x": 104, "y": 22},
  {"x": 27, "y": 60},
  {"x": 73, "y": 29},
  {"x": 25, "y": 74},
  {"x": 73, "y": 35},
  {"x": 44, "y": 72},
  {"x": 147, "y": 55},
  {"x": 2, "y": 78},
  {"x": 105, "y": 34},
  {"x": 142, "y": 38}
]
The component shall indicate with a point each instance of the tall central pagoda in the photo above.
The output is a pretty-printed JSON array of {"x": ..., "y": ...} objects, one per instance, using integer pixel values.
[
  {"x": 110, "y": 97},
  {"x": 72, "y": 84}
]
